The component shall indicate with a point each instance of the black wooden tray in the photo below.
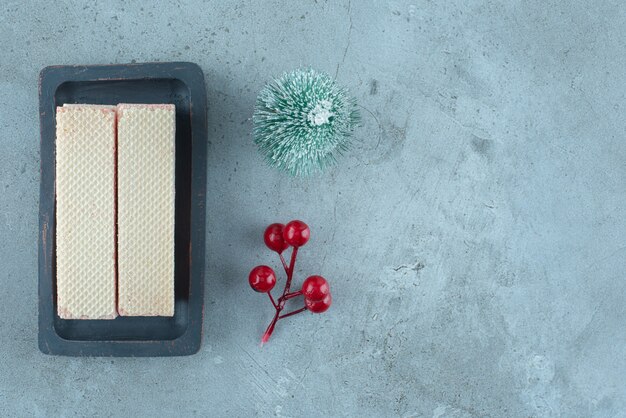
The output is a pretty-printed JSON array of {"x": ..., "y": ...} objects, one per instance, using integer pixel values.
[{"x": 182, "y": 84}]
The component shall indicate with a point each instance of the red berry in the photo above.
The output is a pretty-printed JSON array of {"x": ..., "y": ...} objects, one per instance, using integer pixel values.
[
  {"x": 315, "y": 288},
  {"x": 274, "y": 238},
  {"x": 319, "y": 306},
  {"x": 262, "y": 279},
  {"x": 296, "y": 233}
]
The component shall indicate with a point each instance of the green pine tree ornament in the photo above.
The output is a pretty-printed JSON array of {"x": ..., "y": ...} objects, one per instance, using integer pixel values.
[{"x": 303, "y": 121}]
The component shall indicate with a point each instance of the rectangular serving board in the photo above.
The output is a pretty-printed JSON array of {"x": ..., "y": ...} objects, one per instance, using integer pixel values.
[{"x": 179, "y": 83}]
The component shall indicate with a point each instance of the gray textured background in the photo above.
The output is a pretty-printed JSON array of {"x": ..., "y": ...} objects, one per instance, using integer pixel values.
[{"x": 474, "y": 237}]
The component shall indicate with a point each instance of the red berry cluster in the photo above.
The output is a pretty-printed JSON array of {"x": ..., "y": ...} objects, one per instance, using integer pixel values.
[{"x": 315, "y": 289}]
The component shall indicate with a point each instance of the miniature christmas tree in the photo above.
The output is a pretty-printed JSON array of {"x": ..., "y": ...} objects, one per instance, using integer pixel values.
[{"x": 303, "y": 121}]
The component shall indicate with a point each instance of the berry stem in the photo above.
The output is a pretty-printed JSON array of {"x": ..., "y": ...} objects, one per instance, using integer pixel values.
[
  {"x": 292, "y": 264},
  {"x": 282, "y": 260},
  {"x": 297, "y": 311},
  {"x": 285, "y": 296},
  {"x": 292, "y": 295},
  {"x": 270, "y": 328},
  {"x": 272, "y": 299}
]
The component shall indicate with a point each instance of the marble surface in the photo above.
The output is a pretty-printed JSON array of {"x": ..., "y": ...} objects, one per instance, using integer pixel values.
[{"x": 474, "y": 237}]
